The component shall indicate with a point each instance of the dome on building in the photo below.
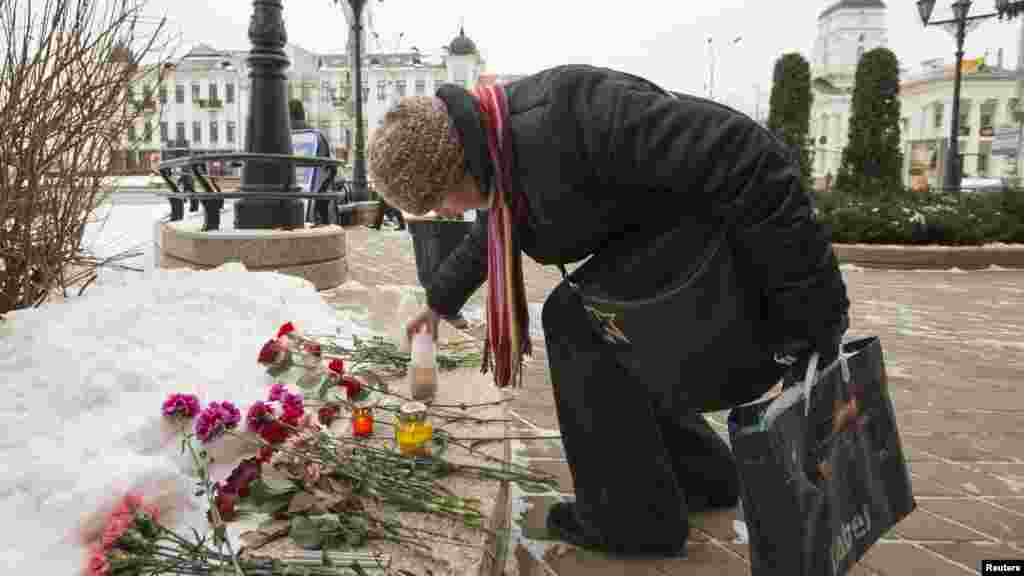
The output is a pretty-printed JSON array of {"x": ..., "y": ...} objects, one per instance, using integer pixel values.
[
  {"x": 461, "y": 45},
  {"x": 850, "y": 5}
]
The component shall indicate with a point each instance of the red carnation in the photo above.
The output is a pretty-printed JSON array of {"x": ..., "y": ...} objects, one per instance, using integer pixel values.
[
  {"x": 352, "y": 386},
  {"x": 225, "y": 502},
  {"x": 272, "y": 353},
  {"x": 336, "y": 365},
  {"x": 327, "y": 414},
  {"x": 286, "y": 328},
  {"x": 274, "y": 433},
  {"x": 264, "y": 453}
]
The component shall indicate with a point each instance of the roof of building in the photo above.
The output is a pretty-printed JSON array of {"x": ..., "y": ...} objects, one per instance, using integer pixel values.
[
  {"x": 851, "y": 5},
  {"x": 204, "y": 51},
  {"x": 946, "y": 73},
  {"x": 462, "y": 45}
]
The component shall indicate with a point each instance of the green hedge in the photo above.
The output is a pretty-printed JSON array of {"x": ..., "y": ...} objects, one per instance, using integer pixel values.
[{"x": 924, "y": 218}]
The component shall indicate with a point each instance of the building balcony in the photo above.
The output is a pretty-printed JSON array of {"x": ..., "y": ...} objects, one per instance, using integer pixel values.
[{"x": 212, "y": 104}]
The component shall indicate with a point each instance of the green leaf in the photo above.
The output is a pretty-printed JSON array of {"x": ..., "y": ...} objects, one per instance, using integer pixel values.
[
  {"x": 306, "y": 532},
  {"x": 268, "y": 493}
]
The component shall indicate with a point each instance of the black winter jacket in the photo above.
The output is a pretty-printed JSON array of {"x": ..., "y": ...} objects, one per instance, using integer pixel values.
[{"x": 603, "y": 157}]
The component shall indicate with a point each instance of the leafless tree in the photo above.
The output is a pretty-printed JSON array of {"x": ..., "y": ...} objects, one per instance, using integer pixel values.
[{"x": 65, "y": 76}]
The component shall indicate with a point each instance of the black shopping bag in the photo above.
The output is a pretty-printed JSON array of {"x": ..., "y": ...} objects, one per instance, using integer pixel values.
[{"x": 821, "y": 467}]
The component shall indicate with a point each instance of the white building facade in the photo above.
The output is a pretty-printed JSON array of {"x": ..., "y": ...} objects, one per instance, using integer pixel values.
[
  {"x": 846, "y": 30},
  {"x": 988, "y": 99},
  {"x": 201, "y": 106}
]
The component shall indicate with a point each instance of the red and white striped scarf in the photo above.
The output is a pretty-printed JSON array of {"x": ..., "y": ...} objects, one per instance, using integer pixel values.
[{"x": 508, "y": 321}]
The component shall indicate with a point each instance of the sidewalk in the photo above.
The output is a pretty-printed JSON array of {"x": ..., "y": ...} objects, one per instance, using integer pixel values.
[{"x": 954, "y": 345}]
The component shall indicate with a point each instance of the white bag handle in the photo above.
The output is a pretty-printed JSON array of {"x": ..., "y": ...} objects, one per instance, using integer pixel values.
[
  {"x": 809, "y": 377},
  {"x": 812, "y": 374}
]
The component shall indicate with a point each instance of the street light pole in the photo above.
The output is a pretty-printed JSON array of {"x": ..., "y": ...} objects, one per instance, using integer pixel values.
[
  {"x": 960, "y": 21},
  {"x": 268, "y": 127},
  {"x": 359, "y": 160},
  {"x": 953, "y": 172}
]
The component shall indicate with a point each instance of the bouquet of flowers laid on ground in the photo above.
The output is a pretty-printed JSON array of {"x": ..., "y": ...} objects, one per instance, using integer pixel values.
[
  {"x": 291, "y": 355},
  {"x": 134, "y": 542},
  {"x": 313, "y": 485}
]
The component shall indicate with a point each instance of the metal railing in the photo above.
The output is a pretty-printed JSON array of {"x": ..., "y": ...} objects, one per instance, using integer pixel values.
[{"x": 327, "y": 207}]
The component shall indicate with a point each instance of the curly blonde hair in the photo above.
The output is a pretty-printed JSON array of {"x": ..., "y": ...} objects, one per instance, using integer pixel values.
[{"x": 415, "y": 156}]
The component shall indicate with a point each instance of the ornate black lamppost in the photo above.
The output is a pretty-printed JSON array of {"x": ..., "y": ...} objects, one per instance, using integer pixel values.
[
  {"x": 959, "y": 22},
  {"x": 359, "y": 186},
  {"x": 268, "y": 128}
]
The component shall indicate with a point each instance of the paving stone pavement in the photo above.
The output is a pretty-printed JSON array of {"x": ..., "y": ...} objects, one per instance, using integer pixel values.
[{"x": 954, "y": 350}]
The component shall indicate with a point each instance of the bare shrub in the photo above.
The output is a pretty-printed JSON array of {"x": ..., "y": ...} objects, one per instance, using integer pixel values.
[{"x": 67, "y": 66}]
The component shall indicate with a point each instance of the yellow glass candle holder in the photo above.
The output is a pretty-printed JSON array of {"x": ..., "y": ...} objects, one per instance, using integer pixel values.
[
  {"x": 414, "y": 430},
  {"x": 362, "y": 421}
]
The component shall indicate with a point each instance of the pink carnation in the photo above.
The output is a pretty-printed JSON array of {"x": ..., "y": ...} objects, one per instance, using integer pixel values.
[
  {"x": 97, "y": 565},
  {"x": 215, "y": 420},
  {"x": 184, "y": 406},
  {"x": 293, "y": 409},
  {"x": 260, "y": 415},
  {"x": 116, "y": 527},
  {"x": 277, "y": 392}
]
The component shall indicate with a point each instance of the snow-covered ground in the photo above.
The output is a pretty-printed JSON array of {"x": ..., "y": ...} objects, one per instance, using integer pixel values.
[{"x": 84, "y": 380}]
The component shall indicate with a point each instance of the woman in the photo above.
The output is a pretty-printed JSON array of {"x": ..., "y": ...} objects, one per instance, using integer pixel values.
[{"x": 578, "y": 161}]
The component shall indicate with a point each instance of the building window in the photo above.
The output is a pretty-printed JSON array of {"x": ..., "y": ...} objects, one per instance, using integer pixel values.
[
  {"x": 131, "y": 133},
  {"x": 988, "y": 115},
  {"x": 400, "y": 88},
  {"x": 213, "y": 132},
  {"x": 195, "y": 93},
  {"x": 213, "y": 91},
  {"x": 179, "y": 94},
  {"x": 421, "y": 87},
  {"x": 939, "y": 110},
  {"x": 229, "y": 93},
  {"x": 984, "y": 153},
  {"x": 179, "y": 131},
  {"x": 230, "y": 132},
  {"x": 163, "y": 94},
  {"x": 326, "y": 92},
  {"x": 163, "y": 131},
  {"x": 366, "y": 92},
  {"x": 382, "y": 90},
  {"x": 147, "y": 132},
  {"x": 965, "y": 117},
  {"x": 197, "y": 132}
]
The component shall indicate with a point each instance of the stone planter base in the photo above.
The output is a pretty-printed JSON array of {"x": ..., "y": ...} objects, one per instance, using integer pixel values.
[
  {"x": 931, "y": 257},
  {"x": 315, "y": 254}
]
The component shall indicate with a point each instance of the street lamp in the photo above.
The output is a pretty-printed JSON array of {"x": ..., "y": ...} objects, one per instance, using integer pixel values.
[
  {"x": 960, "y": 21},
  {"x": 359, "y": 156}
]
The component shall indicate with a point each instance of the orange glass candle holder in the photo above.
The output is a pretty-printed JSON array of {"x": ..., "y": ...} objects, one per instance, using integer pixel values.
[{"x": 362, "y": 421}]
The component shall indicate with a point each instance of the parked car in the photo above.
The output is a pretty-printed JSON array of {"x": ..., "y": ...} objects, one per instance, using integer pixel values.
[{"x": 984, "y": 185}]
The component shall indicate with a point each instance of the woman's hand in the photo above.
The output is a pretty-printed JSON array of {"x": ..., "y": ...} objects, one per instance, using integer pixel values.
[{"x": 426, "y": 317}]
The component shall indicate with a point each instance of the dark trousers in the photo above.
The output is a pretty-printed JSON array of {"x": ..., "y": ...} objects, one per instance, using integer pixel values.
[{"x": 638, "y": 467}]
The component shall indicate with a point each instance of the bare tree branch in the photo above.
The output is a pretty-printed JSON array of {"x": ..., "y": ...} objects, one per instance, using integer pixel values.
[{"x": 66, "y": 70}]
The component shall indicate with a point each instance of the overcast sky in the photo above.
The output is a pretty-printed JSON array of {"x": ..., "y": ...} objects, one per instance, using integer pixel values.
[{"x": 663, "y": 40}]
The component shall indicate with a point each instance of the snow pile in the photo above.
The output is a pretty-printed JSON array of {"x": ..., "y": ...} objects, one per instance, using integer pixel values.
[{"x": 83, "y": 382}]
